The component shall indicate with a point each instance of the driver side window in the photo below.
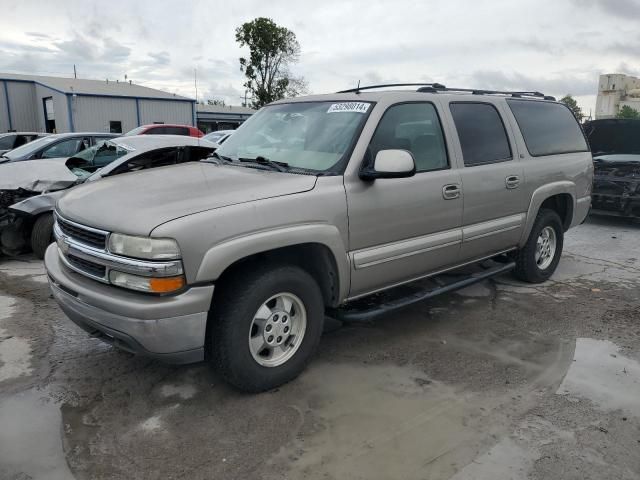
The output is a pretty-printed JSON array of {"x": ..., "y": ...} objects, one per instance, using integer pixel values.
[
  {"x": 66, "y": 148},
  {"x": 414, "y": 127}
]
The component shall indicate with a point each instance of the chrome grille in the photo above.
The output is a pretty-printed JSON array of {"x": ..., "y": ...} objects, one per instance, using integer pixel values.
[
  {"x": 93, "y": 238},
  {"x": 86, "y": 266}
]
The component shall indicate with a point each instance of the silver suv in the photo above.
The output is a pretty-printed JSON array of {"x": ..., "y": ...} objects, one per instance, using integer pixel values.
[{"x": 313, "y": 203}]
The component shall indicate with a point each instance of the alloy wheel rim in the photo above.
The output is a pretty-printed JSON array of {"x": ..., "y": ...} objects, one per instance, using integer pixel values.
[
  {"x": 545, "y": 247},
  {"x": 277, "y": 329}
]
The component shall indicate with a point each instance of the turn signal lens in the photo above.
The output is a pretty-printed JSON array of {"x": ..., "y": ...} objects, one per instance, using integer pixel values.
[
  {"x": 147, "y": 284},
  {"x": 166, "y": 285}
]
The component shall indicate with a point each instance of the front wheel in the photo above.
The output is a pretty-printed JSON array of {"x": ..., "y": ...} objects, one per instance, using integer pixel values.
[
  {"x": 42, "y": 234},
  {"x": 538, "y": 259},
  {"x": 266, "y": 325}
]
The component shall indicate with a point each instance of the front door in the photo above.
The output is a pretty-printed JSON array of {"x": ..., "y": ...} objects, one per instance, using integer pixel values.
[
  {"x": 492, "y": 180},
  {"x": 400, "y": 229}
]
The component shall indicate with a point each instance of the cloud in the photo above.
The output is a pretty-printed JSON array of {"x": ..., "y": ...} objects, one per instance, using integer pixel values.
[
  {"x": 114, "y": 51},
  {"x": 160, "y": 58},
  {"x": 625, "y": 9},
  {"x": 78, "y": 47},
  {"x": 558, "y": 85}
]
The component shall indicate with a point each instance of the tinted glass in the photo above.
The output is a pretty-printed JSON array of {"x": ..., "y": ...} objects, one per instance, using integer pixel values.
[
  {"x": 176, "y": 131},
  {"x": 481, "y": 132},
  {"x": 548, "y": 128},
  {"x": 65, "y": 148},
  {"x": 414, "y": 127}
]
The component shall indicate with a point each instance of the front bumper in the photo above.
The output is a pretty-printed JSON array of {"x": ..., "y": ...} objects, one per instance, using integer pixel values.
[
  {"x": 170, "y": 328},
  {"x": 617, "y": 196}
]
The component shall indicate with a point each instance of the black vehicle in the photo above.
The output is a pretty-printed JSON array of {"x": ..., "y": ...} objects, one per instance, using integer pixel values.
[
  {"x": 11, "y": 140},
  {"x": 55, "y": 146},
  {"x": 615, "y": 144}
]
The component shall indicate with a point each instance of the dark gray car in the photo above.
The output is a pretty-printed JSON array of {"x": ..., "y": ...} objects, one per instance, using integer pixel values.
[
  {"x": 11, "y": 140},
  {"x": 55, "y": 146}
]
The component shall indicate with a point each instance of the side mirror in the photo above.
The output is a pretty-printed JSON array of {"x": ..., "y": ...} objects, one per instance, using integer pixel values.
[{"x": 390, "y": 164}]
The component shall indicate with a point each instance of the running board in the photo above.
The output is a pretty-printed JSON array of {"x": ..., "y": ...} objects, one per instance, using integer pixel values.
[{"x": 365, "y": 310}]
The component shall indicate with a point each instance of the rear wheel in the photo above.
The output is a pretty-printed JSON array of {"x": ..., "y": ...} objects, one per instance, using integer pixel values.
[
  {"x": 266, "y": 325},
  {"x": 42, "y": 234},
  {"x": 538, "y": 259}
]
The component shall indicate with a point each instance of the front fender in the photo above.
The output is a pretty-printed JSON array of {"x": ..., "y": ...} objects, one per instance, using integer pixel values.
[
  {"x": 219, "y": 257},
  {"x": 36, "y": 205},
  {"x": 539, "y": 196}
]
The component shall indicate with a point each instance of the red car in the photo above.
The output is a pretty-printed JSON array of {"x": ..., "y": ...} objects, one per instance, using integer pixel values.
[{"x": 165, "y": 129}]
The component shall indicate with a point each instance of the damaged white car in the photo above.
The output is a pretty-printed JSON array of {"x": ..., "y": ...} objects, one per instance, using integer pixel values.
[{"x": 30, "y": 189}]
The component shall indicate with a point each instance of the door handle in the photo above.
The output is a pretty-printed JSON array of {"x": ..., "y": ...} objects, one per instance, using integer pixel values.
[
  {"x": 512, "y": 181},
  {"x": 451, "y": 191}
]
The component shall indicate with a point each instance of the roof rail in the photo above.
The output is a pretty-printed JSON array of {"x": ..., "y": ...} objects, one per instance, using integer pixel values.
[
  {"x": 437, "y": 87},
  {"x": 385, "y": 85}
]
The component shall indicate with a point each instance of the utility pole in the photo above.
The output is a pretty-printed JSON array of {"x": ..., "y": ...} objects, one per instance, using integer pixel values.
[
  {"x": 75, "y": 75},
  {"x": 195, "y": 82}
]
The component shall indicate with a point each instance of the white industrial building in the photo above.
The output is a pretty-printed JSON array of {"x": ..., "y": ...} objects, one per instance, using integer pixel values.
[
  {"x": 614, "y": 92},
  {"x": 53, "y": 104}
]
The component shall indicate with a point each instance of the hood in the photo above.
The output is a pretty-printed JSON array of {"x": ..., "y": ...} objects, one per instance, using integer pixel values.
[
  {"x": 613, "y": 136},
  {"x": 617, "y": 165},
  {"x": 136, "y": 203},
  {"x": 36, "y": 175}
]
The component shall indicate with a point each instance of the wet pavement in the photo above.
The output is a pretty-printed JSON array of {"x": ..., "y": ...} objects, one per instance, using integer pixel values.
[{"x": 502, "y": 380}]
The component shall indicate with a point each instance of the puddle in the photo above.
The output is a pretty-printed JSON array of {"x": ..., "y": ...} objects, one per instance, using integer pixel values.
[
  {"x": 600, "y": 374},
  {"x": 374, "y": 420},
  {"x": 31, "y": 438},
  {"x": 15, "y": 352}
]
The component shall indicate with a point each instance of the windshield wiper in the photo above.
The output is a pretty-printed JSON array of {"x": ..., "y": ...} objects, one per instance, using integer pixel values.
[
  {"x": 260, "y": 160},
  {"x": 217, "y": 156}
]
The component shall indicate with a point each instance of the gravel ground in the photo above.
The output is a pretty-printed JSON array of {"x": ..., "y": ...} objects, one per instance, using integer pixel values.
[{"x": 501, "y": 380}]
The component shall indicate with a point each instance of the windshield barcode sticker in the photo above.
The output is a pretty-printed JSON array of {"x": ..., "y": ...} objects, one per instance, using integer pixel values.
[{"x": 357, "y": 107}]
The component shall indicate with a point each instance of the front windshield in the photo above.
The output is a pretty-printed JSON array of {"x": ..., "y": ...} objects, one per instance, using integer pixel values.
[
  {"x": 95, "y": 158},
  {"x": 29, "y": 148},
  {"x": 310, "y": 136},
  {"x": 6, "y": 142}
]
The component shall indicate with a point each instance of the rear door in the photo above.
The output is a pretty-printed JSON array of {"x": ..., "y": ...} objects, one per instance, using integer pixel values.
[
  {"x": 403, "y": 228},
  {"x": 492, "y": 179}
]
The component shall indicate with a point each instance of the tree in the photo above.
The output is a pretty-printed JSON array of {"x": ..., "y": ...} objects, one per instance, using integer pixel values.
[
  {"x": 570, "y": 102},
  {"x": 216, "y": 101},
  {"x": 272, "y": 49},
  {"x": 627, "y": 112}
]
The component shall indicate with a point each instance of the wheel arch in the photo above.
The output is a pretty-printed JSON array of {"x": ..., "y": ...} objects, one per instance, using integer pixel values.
[
  {"x": 316, "y": 248},
  {"x": 559, "y": 197}
]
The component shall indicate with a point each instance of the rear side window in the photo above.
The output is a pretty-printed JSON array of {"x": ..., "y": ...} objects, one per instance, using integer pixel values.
[
  {"x": 482, "y": 134},
  {"x": 176, "y": 131},
  {"x": 548, "y": 128}
]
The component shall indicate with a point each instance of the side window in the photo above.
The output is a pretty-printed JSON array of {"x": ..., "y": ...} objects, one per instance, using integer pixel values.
[
  {"x": 481, "y": 131},
  {"x": 157, "y": 131},
  {"x": 414, "y": 127},
  {"x": 548, "y": 128},
  {"x": 65, "y": 148},
  {"x": 197, "y": 153}
]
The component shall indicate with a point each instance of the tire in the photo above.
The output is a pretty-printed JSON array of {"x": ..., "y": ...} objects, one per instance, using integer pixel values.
[
  {"x": 42, "y": 234},
  {"x": 233, "y": 326},
  {"x": 529, "y": 267}
]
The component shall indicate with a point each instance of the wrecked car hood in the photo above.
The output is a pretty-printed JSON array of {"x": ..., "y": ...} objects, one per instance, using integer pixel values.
[
  {"x": 36, "y": 175},
  {"x": 136, "y": 203},
  {"x": 617, "y": 165}
]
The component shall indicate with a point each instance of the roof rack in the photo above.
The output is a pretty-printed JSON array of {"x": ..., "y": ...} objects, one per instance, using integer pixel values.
[
  {"x": 437, "y": 87},
  {"x": 385, "y": 85}
]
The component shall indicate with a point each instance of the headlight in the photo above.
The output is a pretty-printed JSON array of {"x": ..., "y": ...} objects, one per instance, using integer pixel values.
[
  {"x": 147, "y": 284},
  {"x": 144, "y": 247}
]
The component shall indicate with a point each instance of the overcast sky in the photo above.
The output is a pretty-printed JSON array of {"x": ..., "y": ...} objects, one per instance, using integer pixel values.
[{"x": 557, "y": 47}]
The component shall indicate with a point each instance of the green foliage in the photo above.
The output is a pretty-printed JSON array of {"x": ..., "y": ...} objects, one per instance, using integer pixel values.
[
  {"x": 627, "y": 112},
  {"x": 216, "y": 101},
  {"x": 570, "y": 102},
  {"x": 271, "y": 50}
]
